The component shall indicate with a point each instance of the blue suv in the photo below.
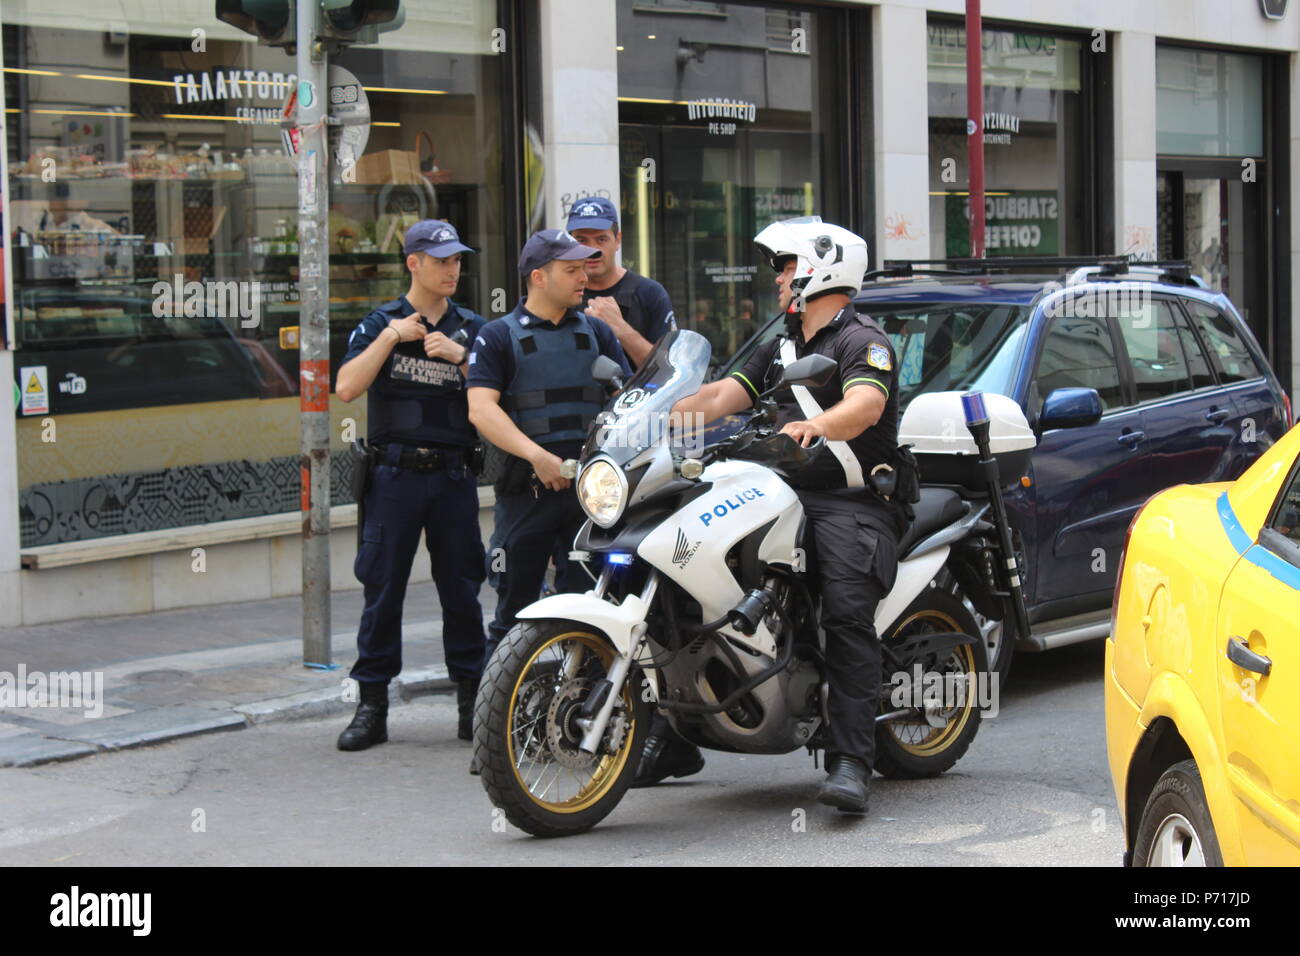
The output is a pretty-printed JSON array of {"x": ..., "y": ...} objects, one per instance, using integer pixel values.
[{"x": 1134, "y": 378}]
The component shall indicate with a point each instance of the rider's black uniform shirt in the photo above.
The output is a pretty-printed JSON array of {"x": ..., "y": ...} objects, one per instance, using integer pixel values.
[{"x": 864, "y": 356}]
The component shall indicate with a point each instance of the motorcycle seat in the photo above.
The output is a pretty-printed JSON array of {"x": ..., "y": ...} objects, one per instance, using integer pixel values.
[{"x": 938, "y": 508}]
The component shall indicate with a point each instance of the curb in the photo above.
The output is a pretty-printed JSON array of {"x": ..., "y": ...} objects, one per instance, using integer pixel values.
[{"x": 163, "y": 724}]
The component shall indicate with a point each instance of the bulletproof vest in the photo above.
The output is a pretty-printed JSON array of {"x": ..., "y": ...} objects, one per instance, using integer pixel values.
[
  {"x": 553, "y": 397},
  {"x": 421, "y": 399}
]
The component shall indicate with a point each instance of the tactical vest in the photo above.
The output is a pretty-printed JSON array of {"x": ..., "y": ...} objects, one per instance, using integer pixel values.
[
  {"x": 553, "y": 397},
  {"x": 421, "y": 400}
]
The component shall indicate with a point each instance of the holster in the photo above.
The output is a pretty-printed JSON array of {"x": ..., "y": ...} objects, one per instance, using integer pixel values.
[
  {"x": 362, "y": 468},
  {"x": 513, "y": 479}
]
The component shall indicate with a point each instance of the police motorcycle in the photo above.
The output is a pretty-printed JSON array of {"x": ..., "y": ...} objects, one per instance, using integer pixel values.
[{"x": 700, "y": 604}]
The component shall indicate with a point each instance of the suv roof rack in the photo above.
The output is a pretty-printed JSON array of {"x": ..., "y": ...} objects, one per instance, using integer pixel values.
[{"x": 1075, "y": 268}]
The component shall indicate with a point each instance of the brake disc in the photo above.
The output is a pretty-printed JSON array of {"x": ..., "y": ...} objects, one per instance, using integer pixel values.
[{"x": 563, "y": 733}]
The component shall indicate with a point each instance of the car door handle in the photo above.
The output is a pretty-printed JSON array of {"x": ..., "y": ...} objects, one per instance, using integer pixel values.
[
  {"x": 1131, "y": 438},
  {"x": 1245, "y": 658},
  {"x": 1217, "y": 415}
]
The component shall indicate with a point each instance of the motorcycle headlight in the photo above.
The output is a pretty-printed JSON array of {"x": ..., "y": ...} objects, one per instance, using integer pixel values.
[{"x": 602, "y": 492}]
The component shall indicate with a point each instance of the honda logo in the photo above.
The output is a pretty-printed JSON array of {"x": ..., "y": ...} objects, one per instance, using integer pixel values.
[{"x": 1273, "y": 9}]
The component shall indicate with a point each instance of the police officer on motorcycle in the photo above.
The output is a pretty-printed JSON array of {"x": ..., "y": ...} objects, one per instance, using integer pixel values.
[
  {"x": 853, "y": 488},
  {"x": 532, "y": 394},
  {"x": 418, "y": 475}
]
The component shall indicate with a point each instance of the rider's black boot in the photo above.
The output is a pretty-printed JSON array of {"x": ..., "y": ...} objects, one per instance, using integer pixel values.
[
  {"x": 845, "y": 786},
  {"x": 666, "y": 755},
  {"x": 466, "y": 691},
  {"x": 370, "y": 724}
]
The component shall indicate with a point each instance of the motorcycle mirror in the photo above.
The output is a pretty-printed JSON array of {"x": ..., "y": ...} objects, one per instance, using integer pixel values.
[
  {"x": 606, "y": 371},
  {"x": 814, "y": 370}
]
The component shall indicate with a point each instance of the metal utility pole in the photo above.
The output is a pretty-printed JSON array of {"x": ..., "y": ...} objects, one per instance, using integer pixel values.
[
  {"x": 975, "y": 123},
  {"x": 313, "y": 336}
]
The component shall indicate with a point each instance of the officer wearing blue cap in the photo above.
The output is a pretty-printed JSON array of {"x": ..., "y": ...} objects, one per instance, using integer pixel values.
[
  {"x": 410, "y": 356},
  {"x": 532, "y": 394},
  {"x": 635, "y": 307}
]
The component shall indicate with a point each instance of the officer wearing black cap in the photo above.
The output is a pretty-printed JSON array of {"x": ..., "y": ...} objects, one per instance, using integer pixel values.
[
  {"x": 635, "y": 307},
  {"x": 857, "y": 487},
  {"x": 532, "y": 394},
  {"x": 410, "y": 356}
]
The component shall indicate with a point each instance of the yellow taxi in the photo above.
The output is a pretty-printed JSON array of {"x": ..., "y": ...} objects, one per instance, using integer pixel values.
[{"x": 1203, "y": 672}]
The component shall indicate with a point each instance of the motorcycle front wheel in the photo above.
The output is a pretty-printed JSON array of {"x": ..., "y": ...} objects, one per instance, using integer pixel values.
[
  {"x": 526, "y": 734},
  {"x": 930, "y": 739}
]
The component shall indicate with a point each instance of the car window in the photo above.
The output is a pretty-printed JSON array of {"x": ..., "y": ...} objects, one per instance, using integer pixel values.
[
  {"x": 1286, "y": 515},
  {"x": 1078, "y": 353},
  {"x": 1231, "y": 356},
  {"x": 1198, "y": 363},
  {"x": 946, "y": 346},
  {"x": 1154, "y": 352}
]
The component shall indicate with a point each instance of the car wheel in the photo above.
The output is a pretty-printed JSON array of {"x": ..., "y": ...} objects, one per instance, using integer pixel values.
[{"x": 1176, "y": 828}]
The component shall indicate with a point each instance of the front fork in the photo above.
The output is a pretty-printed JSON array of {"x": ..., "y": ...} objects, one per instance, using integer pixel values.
[{"x": 612, "y": 687}]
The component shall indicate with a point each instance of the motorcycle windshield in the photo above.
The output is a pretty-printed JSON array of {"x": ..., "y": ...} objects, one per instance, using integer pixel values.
[{"x": 639, "y": 416}]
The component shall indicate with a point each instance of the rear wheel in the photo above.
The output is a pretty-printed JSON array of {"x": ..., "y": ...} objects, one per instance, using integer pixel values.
[
  {"x": 1176, "y": 828},
  {"x": 928, "y": 740},
  {"x": 527, "y": 731}
]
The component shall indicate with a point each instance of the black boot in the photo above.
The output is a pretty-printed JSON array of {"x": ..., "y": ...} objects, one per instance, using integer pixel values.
[
  {"x": 845, "y": 786},
  {"x": 370, "y": 724},
  {"x": 667, "y": 755},
  {"x": 466, "y": 692}
]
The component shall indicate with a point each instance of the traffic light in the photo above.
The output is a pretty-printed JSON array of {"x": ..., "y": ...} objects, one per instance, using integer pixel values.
[
  {"x": 342, "y": 21},
  {"x": 271, "y": 21},
  {"x": 360, "y": 21}
]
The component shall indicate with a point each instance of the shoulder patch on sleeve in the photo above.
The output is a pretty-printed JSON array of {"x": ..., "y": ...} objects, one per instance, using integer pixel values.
[{"x": 878, "y": 357}]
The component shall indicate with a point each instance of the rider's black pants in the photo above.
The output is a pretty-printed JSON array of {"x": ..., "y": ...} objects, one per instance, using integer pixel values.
[{"x": 852, "y": 546}]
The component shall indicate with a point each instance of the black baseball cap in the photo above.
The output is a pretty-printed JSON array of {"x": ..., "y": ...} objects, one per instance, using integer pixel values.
[
  {"x": 548, "y": 245},
  {"x": 593, "y": 212},
  {"x": 435, "y": 237}
]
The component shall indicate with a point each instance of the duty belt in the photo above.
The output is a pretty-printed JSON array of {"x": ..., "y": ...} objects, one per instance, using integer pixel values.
[{"x": 425, "y": 459}]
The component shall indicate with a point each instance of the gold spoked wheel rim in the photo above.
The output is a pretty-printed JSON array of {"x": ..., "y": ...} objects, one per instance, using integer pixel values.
[
  {"x": 542, "y": 733},
  {"x": 918, "y": 737}
]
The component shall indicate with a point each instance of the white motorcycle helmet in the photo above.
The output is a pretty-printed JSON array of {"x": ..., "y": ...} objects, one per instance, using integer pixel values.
[{"x": 828, "y": 258}]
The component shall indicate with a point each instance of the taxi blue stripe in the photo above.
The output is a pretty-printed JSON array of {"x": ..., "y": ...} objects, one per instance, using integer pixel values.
[{"x": 1261, "y": 557}]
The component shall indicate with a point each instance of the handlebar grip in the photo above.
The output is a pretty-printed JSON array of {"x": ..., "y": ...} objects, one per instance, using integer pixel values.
[{"x": 569, "y": 468}]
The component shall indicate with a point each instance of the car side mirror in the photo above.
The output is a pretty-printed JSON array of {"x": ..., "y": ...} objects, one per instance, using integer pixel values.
[
  {"x": 1070, "y": 408},
  {"x": 814, "y": 370}
]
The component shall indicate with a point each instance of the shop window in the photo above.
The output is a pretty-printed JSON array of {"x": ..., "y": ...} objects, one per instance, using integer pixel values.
[
  {"x": 1033, "y": 143},
  {"x": 153, "y": 228},
  {"x": 725, "y": 125}
]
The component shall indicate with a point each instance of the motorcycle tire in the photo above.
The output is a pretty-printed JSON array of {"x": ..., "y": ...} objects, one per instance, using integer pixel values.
[
  {"x": 928, "y": 751},
  {"x": 525, "y": 735}
]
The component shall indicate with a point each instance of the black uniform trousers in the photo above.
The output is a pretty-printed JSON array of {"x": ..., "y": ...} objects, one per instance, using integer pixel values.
[
  {"x": 400, "y": 504},
  {"x": 852, "y": 544},
  {"x": 529, "y": 530}
]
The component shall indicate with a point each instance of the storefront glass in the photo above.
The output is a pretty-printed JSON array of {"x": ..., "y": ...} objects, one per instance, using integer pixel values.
[
  {"x": 724, "y": 117},
  {"x": 153, "y": 223},
  {"x": 1034, "y": 149},
  {"x": 1213, "y": 173}
]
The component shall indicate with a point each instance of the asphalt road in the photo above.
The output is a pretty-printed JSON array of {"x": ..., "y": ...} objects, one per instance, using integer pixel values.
[{"x": 1033, "y": 790}]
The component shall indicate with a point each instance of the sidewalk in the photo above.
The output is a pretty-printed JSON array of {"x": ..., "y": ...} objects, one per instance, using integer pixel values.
[{"x": 176, "y": 673}]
